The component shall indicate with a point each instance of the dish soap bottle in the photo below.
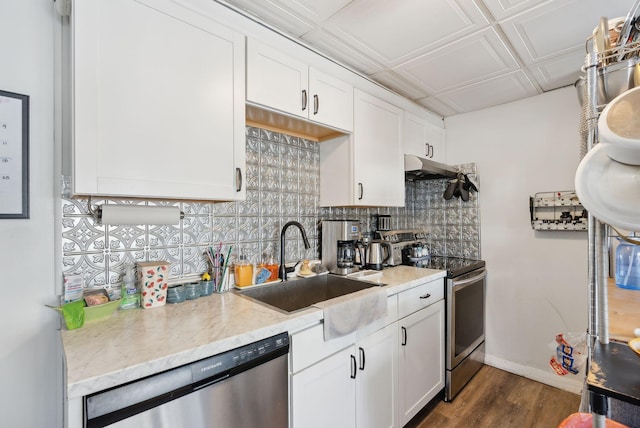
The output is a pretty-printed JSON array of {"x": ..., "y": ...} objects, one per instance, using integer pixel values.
[
  {"x": 243, "y": 270},
  {"x": 272, "y": 265},
  {"x": 130, "y": 294}
]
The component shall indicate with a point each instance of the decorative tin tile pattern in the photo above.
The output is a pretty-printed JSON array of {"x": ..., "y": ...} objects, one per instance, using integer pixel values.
[{"x": 283, "y": 182}]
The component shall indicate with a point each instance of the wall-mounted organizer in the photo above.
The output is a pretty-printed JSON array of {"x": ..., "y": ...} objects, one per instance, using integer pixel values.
[{"x": 559, "y": 210}]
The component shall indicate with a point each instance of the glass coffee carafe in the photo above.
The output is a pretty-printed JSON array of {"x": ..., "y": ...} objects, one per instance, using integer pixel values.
[{"x": 346, "y": 255}]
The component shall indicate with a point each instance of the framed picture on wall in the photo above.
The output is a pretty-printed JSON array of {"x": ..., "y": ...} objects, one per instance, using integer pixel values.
[{"x": 14, "y": 155}]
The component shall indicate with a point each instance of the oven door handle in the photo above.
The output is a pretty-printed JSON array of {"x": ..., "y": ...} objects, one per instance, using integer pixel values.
[{"x": 468, "y": 280}]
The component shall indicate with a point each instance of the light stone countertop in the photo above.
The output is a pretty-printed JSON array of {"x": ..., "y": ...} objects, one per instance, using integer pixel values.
[{"x": 137, "y": 343}]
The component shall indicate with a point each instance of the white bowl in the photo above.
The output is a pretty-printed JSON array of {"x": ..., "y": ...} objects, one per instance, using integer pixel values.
[
  {"x": 619, "y": 127},
  {"x": 609, "y": 190}
]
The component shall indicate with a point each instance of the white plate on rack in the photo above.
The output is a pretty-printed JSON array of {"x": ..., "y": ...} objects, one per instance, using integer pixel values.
[
  {"x": 609, "y": 190},
  {"x": 618, "y": 129}
]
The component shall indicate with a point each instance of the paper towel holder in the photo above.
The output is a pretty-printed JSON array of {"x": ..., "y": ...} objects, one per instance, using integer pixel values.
[{"x": 96, "y": 213}]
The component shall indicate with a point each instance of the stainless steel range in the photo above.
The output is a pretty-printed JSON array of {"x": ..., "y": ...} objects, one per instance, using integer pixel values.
[
  {"x": 465, "y": 304},
  {"x": 465, "y": 318}
]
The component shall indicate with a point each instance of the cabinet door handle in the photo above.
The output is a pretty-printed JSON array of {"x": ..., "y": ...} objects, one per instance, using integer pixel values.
[
  {"x": 426, "y": 149},
  {"x": 361, "y": 191},
  {"x": 353, "y": 366},
  {"x": 304, "y": 99},
  {"x": 361, "y": 358},
  {"x": 404, "y": 336},
  {"x": 426, "y": 296},
  {"x": 238, "y": 179},
  {"x": 316, "y": 104}
]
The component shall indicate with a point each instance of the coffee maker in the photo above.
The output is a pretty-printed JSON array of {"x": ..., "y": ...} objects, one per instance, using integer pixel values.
[{"x": 340, "y": 249}]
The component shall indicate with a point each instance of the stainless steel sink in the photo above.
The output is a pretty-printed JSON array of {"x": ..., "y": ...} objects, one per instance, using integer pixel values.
[{"x": 300, "y": 293}]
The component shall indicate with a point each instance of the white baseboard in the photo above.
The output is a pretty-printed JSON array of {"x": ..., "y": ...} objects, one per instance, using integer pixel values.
[{"x": 569, "y": 382}]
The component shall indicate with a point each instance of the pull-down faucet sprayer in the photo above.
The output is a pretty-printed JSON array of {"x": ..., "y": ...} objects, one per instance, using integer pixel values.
[{"x": 283, "y": 269}]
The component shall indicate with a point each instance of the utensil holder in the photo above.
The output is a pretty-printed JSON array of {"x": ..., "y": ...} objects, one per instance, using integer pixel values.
[{"x": 220, "y": 278}]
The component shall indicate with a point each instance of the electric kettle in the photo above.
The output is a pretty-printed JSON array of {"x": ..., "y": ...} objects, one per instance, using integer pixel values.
[{"x": 374, "y": 255}]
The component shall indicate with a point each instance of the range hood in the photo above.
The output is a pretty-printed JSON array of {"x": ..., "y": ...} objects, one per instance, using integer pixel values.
[{"x": 419, "y": 168}]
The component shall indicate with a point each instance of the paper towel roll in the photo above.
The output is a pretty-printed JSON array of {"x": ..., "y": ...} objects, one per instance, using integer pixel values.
[{"x": 139, "y": 214}]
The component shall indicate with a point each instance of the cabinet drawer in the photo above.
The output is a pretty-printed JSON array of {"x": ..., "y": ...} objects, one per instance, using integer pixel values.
[
  {"x": 420, "y": 297},
  {"x": 309, "y": 346}
]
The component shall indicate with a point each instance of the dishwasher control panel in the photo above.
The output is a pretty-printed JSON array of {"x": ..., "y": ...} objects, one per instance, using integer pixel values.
[{"x": 229, "y": 360}]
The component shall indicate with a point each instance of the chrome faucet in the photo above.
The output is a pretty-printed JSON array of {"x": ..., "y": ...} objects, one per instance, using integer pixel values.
[{"x": 283, "y": 269}]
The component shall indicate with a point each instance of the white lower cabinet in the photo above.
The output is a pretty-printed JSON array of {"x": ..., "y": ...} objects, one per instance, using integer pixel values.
[
  {"x": 377, "y": 379},
  {"x": 355, "y": 387},
  {"x": 323, "y": 395},
  {"x": 421, "y": 359}
]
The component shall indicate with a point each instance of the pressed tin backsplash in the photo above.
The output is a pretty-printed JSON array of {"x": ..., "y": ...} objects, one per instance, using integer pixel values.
[{"x": 283, "y": 174}]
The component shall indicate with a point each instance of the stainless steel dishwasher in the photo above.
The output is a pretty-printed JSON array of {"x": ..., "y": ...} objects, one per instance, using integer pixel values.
[{"x": 244, "y": 387}]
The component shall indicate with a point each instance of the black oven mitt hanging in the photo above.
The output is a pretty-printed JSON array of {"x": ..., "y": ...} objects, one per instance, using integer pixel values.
[
  {"x": 468, "y": 184},
  {"x": 460, "y": 188},
  {"x": 448, "y": 192}
]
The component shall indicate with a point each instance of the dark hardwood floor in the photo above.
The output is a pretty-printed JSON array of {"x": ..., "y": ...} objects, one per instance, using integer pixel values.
[{"x": 495, "y": 398}]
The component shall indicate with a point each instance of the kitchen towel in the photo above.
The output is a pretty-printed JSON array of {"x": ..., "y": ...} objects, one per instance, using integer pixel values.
[{"x": 346, "y": 314}]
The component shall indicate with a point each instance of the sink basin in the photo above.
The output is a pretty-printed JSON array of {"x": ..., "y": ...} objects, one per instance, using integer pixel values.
[{"x": 300, "y": 293}]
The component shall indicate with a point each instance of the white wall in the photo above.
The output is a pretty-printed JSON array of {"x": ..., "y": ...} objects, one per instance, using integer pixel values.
[
  {"x": 537, "y": 284},
  {"x": 30, "y": 362}
]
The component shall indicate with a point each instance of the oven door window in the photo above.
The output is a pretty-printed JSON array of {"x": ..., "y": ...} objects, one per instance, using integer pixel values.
[{"x": 469, "y": 317}]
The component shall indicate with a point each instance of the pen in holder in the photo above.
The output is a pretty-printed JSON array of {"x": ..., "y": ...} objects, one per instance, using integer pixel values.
[{"x": 220, "y": 269}]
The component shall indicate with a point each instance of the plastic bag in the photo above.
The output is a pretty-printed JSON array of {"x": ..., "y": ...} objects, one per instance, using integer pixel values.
[
  {"x": 585, "y": 420},
  {"x": 73, "y": 313},
  {"x": 569, "y": 353}
]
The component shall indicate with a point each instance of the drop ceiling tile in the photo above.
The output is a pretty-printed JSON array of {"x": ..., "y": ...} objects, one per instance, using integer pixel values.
[
  {"x": 478, "y": 56},
  {"x": 499, "y": 90},
  {"x": 557, "y": 27},
  {"x": 393, "y": 32},
  {"x": 558, "y": 71},
  {"x": 399, "y": 84},
  {"x": 501, "y": 9},
  {"x": 334, "y": 48},
  {"x": 275, "y": 15},
  {"x": 437, "y": 106},
  {"x": 312, "y": 10},
  {"x": 420, "y": 48}
]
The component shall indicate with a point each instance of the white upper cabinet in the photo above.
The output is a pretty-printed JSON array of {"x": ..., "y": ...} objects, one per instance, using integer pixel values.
[
  {"x": 367, "y": 167},
  {"x": 157, "y": 102},
  {"x": 276, "y": 80},
  {"x": 280, "y": 82},
  {"x": 422, "y": 138},
  {"x": 331, "y": 100}
]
